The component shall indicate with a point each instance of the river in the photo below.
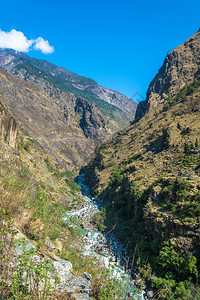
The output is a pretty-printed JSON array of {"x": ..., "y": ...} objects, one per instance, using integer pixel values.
[{"x": 104, "y": 246}]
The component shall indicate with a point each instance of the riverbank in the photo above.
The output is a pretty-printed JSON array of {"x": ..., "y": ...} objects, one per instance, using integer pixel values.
[{"x": 104, "y": 246}]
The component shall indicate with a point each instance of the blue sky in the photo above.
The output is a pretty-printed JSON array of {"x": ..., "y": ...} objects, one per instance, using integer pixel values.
[{"x": 120, "y": 44}]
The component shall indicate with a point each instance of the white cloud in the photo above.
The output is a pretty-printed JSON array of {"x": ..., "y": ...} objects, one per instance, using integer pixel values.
[
  {"x": 41, "y": 44},
  {"x": 15, "y": 40},
  {"x": 18, "y": 41}
]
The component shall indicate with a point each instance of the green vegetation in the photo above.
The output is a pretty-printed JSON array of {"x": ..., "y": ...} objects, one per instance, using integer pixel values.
[
  {"x": 155, "y": 215},
  {"x": 22, "y": 193},
  {"x": 169, "y": 103},
  {"x": 99, "y": 220},
  {"x": 178, "y": 261},
  {"x": 38, "y": 201},
  {"x": 176, "y": 198},
  {"x": 189, "y": 89},
  {"x": 131, "y": 158},
  {"x": 152, "y": 135},
  {"x": 188, "y": 147},
  {"x": 187, "y": 161},
  {"x": 22, "y": 276},
  {"x": 26, "y": 144},
  {"x": 196, "y": 143},
  {"x": 117, "y": 176},
  {"x": 67, "y": 176},
  {"x": 175, "y": 270}
]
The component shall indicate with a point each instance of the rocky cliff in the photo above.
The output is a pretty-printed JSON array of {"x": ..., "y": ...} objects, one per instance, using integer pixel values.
[
  {"x": 180, "y": 67},
  {"x": 8, "y": 127}
]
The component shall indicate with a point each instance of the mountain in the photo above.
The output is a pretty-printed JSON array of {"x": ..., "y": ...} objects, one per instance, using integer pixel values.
[
  {"x": 115, "y": 107},
  {"x": 66, "y": 128},
  {"x": 148, "y": 175},
  {"x": 35, "y": 242},
  {"x": 44, "y": 216}
]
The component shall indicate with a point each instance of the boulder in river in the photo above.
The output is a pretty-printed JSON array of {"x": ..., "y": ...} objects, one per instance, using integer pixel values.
[{"x": 89, "y": 235}]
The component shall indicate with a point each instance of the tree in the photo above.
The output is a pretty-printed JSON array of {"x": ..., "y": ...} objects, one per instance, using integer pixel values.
[{"x": 196, "y": 143}]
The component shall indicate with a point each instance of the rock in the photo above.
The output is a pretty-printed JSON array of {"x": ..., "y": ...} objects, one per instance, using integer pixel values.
[
  {"x": 59, "y": 245},
  {"x": 150, "y": 294},
  {"x": 89, "y": 235},
  {"x": 82, "y": 296},
  {"x": 27, "y": 244},
  {"x": 32, "y": 117},
  {"x": 191, "y": 177},
  {"x": 62, "y": 268},
  {"x": 144, "y": 286},
  {"x": 78, "y": 286},
  {"x": 180, "y": 67},
  {"x": 50, "y": 245},
  {"x": 9, "y": 128}
]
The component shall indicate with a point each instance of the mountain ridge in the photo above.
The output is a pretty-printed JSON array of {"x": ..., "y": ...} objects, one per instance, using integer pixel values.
[
  {"x": 117, "y": 108},
  {"x": 179, "y": 68}
]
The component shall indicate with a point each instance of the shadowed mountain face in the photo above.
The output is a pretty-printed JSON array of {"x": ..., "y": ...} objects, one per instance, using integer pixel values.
[
  {"x": 149, "y": 176},
  {"x": 66, "y": 127},
  {"x": 117, "y": 109}
]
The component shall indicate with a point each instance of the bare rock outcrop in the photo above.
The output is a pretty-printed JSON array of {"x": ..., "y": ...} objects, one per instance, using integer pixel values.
[
  {"x": 179, "y": 68},
  {"x": 8, "y": 127}
]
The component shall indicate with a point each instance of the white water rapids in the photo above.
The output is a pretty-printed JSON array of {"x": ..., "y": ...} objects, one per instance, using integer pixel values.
[{"x": 106, "y": 248}]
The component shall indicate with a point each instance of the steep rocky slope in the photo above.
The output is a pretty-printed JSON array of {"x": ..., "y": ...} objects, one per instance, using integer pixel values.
[
  {"x": 41, "y": 240},
  {"x": 180, "y": 67},
  {"x": 117, "y": 109},
  {"x": 34, "y": 194},
  {"x": 148, "y": 175},
  {"x": 68, "y": 135}
]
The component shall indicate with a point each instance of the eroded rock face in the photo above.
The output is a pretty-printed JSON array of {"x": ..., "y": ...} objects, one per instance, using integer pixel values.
[
  {"x": 8, "y": 127},
  {"x": 91, "y": 121}
]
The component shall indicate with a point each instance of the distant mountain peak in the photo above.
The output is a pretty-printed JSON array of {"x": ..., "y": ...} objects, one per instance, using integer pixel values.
[{"x": 179, "y": 68}]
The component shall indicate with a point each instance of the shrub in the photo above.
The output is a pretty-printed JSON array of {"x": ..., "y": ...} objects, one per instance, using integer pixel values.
[
  {"x": 117, "y": 175},
  {"x": 22, "y": 274},
  {"x": 152, "y": 135},
  {"x": 169, "y": 103},
  {"x": 175, "y": 259}
]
